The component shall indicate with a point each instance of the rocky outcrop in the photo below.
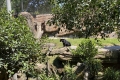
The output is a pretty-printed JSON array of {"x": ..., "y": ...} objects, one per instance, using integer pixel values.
[
  {"x": 34, "y": 25},
  {"x": 38, "y": 26}
]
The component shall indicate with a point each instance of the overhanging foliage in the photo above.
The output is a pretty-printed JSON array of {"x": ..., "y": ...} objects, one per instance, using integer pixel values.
[{"x": 88, "y": 16}]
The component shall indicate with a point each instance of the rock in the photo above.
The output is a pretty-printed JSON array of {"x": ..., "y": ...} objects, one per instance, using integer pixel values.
[
  {"x": 49, "y": 45},
  {"x": 113, "y": 35},
  {"x": 34, "y": 25},
  {"x": 40, "y": 66},
  {"x": 73, "y": 47}
]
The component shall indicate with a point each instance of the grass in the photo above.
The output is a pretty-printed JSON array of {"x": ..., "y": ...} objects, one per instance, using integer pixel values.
[{"x": 77, "y": 41}]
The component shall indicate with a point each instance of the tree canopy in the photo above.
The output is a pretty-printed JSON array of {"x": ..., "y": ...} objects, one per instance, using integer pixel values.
[
  {"x": 33, "y": 6},
  {"x": 89, "y": 16}
]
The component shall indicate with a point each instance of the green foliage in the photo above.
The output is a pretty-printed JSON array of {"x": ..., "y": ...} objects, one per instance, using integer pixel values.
[
  {"x": 2, "y": 3},
  {"x": 94, "y": 66},
  {"x": 69, "y": 73},
  {"x": 43, "y": 76},
  {"x": 111, "y": 74},
  {"x": 32, "y": 6},
  {"x": 88, "y": 16},
  {"x": 86, "y": 49},
  {"x": 18, "y": 47}
]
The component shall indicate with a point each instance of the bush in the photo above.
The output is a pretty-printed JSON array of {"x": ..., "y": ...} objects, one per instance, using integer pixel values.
[
  {"x": 111, "y": 74},
  {"x": 18, "y": 47},
  {"x": 87, "y": 51},
  {"x": 69, "y": 73}
]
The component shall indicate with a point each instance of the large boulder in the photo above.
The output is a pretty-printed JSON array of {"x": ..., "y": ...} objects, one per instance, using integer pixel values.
[{"x": 34, "y": 25}]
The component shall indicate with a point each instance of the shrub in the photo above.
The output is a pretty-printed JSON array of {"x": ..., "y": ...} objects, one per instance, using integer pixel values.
[
  {"x": 18, "y": 47},
  {"x": 111, "y": 74},
  {"x": 87, "y": 51}
]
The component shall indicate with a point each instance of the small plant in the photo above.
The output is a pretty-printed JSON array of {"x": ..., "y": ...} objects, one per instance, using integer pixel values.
[
  {"x": 69, "y": 73},
  {"x": 44, "y": 77},
  {"x": 93, "y": 66},
  {"x": 111, "y": 74},
  {"x": 87, "y": 51}
]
